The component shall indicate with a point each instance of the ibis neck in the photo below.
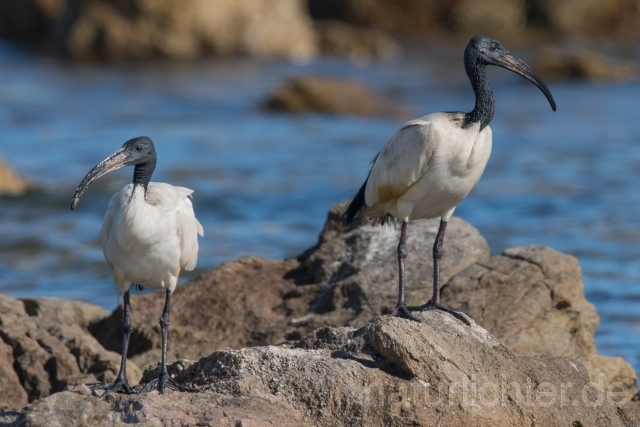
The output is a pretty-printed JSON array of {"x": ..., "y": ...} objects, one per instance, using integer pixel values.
[
  {"x": 485, "y": 107},
  {"x": 142, "y": 174}
]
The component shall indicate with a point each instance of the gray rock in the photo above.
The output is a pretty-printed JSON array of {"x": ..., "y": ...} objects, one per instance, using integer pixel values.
[
  {"x": 391, "y": 372},
  {"x": 532, "y": 300},
  {"x": 356, "y": 270}
]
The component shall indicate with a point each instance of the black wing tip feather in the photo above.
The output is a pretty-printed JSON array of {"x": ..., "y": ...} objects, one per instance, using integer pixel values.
[{"x": 355, "y": 206}]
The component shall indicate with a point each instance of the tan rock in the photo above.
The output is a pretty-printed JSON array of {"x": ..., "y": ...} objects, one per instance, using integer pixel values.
[
  {"x": 531, "y": 299},
  {"x": 10, "y": 182},
  {"x": 100, "y": 29},
  {"x": 46, "y": 350},
  {"x": 392, "y": 372},
  {"x": 60, "y": 311},
  {"x": 12, "y": 394},
  {"x": 330, "y": 96},
  {"x": 357, "y": 43},
  {"x": 557, "y": 64}
]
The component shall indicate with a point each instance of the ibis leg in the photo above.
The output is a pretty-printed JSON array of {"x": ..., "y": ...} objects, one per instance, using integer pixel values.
[
  {"x": 164, "y": 380},
  {"x": 434, "y": 302},
  {"x": 401, "y": 308},
  {"x": 120, "y": 384}
]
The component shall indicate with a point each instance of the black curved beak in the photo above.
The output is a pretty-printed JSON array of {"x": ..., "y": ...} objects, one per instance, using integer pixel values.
[
  {"x": 111, "y": 163},
  {"x": 511, "y": 62}
]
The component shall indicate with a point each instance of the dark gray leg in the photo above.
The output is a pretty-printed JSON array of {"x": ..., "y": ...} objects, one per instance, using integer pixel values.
[
  {"x": 164, "y": 380},
  {"x": 434, "y": 302},
  {"x": 120, "y": 384},
  {"x": 401, "y": 308}
]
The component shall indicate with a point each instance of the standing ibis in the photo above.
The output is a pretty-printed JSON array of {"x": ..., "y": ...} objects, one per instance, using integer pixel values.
[
  {"x": 149, "y": 234},
  {"x": 430, "y": 164}
]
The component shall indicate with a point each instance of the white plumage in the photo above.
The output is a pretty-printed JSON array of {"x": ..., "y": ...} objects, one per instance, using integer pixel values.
[
  {"x": 149, "y": 234},
  {"x": 148, "y": 242},
  {"x": 432, "y": 163},
  {"x": 428, "y": 166}
]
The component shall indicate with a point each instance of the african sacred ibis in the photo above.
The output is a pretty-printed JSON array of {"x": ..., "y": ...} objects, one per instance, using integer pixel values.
[
  {"x": 430, "y": 164},
  {"x": 149, "y": 234}
]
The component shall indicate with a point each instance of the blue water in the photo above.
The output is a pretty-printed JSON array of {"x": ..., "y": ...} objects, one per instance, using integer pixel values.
[{"x": 263, "y": 182}]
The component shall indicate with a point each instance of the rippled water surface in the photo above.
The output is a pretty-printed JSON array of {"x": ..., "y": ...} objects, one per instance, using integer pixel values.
[{"x": 263, "y": 182}]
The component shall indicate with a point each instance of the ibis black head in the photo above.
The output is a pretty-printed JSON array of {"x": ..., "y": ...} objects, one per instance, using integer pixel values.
[
  {"x": 483, "y": 51},
  {"x": 136, "y": 151}
]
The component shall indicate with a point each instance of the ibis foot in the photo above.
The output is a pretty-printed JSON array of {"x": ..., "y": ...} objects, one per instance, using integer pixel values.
[
  {"x": 402, "y": 311},
  {"x": 455, "y": 312},
  {"x": 165, "y": 381},
  {"x": 120, "y": 385}
]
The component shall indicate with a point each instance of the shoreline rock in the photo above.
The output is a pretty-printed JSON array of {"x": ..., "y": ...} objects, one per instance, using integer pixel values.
[
  {"x": 11, "y": 183},
  {"x": 321, "y": 318},
  {"x": 330, "y": 95},
  {"x": 387, "y": 373}
]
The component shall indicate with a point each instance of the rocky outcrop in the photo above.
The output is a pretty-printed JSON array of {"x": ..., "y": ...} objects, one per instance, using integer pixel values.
[
  {"x": 124, "y": 30},
  {"x": 564, "y": 64},
  {"x": 493, "y": 17},
  {"x": 391, "y": 372},
  {"x": 347, "y": 279},
  {"x": 529, "y": 299},
  {"x": 10, "y": 182},
  {"x": 359, "y": 44},
  {"x": 330, "y": 95},
  {"x": 44, "y": 347}
]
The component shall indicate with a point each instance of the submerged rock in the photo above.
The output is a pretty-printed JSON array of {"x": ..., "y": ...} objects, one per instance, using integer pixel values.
[
  {"x": 331, "y": 96},
  {"x": 391, "y": 372}
]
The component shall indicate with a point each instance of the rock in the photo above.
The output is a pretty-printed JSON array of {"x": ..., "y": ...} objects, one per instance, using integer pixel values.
[
  {"x": 125, "y": 30},
  {"x": 357, "y": 43},
  {"x": 237, "y": 304},
  {"x": 493, "y": 17},
  {"x": 532, "y": 300},
  {"x": 12, "y": 394},
  {"x": 588, "y": 17},
  {"x": 391, "y": 372},
  {"x": 330, "y": 95},
  {"x": 10, "y": 182},
  {"x": 605, "y": 371},
  {"x": 356, "y": 274},
  {"x": 401, "y": 16},
  {"x": 556, "y": 64},
  {"x": 66, "y": 410},
  {"x": 49, "y": 350},
  {"x": 347, "y": 279},
  {"x": 64, "y": 311},
  {"x": 9, "y": 419}
]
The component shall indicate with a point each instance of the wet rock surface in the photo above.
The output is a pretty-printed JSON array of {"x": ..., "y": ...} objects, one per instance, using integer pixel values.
[{"x": 391, "y": 372}]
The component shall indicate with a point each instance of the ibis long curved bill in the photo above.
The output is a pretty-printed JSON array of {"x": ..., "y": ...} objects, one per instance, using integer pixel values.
[
  {"x": 511, "y": 62},
  {"x": 115, "y": 161}
]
